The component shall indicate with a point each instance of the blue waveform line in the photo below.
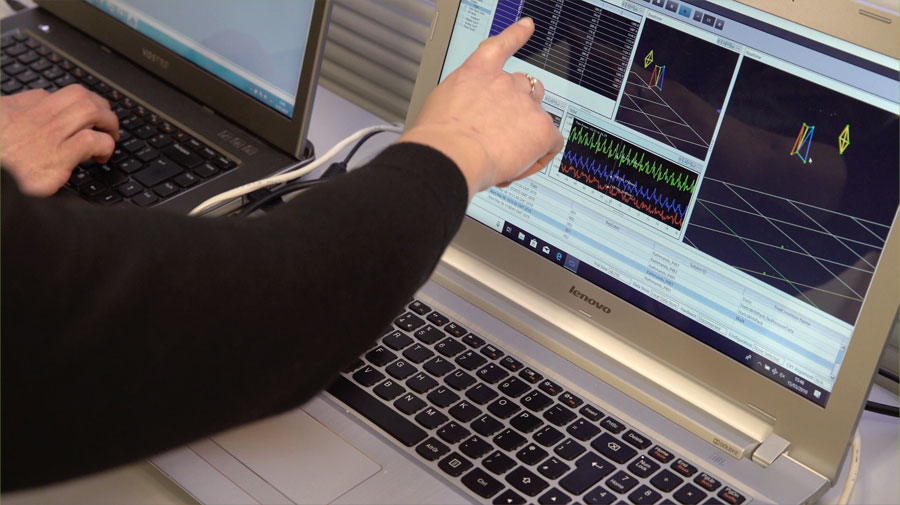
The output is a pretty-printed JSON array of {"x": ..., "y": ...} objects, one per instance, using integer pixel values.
[{"x": 617, "y": 178}]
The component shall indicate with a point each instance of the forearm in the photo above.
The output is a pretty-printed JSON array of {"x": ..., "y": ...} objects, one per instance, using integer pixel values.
[{"x": 143, "y": 331}]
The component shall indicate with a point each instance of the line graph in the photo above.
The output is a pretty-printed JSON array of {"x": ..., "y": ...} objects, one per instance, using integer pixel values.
[
  {"x": 627, "y": 173},
  {"x": 676, "y": 88}
]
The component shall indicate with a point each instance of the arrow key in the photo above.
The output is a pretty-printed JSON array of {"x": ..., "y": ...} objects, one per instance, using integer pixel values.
[
  {"x": 554, "y": 496},
  {"x": 508, "y": 497}
]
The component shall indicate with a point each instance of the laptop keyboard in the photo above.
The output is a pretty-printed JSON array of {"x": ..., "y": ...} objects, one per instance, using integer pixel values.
[
  {"x": 505, "y": 433},
  {"x": 153, "y": 160}
]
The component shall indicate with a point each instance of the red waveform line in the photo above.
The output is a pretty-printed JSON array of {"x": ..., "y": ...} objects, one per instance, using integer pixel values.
[{"x": 623, "y": 196}]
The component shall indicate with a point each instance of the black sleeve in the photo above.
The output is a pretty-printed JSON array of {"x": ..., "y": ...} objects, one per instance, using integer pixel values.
[{"x": 127, "y": 332}]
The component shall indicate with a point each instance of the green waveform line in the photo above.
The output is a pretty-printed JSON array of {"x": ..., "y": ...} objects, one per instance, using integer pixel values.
[{"x": 616, "y": 151}]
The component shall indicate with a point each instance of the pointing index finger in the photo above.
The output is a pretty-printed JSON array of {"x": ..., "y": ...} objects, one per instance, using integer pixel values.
[{"x": 493, "y": 52}]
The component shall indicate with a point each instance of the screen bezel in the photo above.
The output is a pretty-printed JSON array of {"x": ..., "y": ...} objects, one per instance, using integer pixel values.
[
  {"x": 818, "y": 435},
  {"x": 287, "y": 134}
]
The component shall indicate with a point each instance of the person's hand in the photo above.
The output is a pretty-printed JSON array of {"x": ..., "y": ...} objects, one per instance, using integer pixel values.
[
  {"x": 485, "y": 119},
  {"x": 43, "y": 136}
]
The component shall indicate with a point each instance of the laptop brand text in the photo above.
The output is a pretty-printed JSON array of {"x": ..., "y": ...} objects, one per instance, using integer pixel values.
[{"x": 589, "y": 300}]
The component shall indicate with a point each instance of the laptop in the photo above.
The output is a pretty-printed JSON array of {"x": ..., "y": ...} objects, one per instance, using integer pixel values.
[
  {"x": 686, "y": 306},
  {"x": 209, "y": 94}
]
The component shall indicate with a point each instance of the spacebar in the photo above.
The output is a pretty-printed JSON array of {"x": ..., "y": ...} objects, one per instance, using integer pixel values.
[{"x": 372, "y": 409}]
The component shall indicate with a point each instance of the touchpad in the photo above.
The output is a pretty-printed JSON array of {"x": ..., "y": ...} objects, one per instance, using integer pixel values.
[{"x": 305, "y": 461}]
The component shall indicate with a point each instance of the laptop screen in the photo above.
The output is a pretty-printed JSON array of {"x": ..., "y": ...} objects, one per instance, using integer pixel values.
[
  {"x": 257, "y": 50},
  {"x": 731, "y": 178}
]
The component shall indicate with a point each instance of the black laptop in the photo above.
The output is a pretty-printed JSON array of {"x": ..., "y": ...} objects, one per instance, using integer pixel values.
[{"x": 210, "y": 94}]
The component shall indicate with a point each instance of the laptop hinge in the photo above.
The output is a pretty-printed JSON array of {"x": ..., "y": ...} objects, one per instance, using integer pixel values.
[{"x": 772, "y": 447}]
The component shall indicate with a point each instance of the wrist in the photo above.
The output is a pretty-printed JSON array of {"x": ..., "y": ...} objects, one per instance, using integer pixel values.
[{"x": 463, "y": 147}]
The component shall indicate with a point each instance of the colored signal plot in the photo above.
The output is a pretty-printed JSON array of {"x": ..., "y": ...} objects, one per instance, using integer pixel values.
[
  {"x": 676, "y": 88},
  {"x": 628, "y": 174},
  {"x": 813, "y": 229},
  {"x": 584, "y": 43}
]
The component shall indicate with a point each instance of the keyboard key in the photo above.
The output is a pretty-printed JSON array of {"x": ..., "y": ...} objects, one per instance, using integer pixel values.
[
  {"x": 644, "y": 495},
  {"x": 526, "y": 422},
  {"x": 481, "y": 394},
  {"x": 591, "y": 413},
  {"x": 550, "y": 387},
  {"x": 509, "y": 497},
  {"x": 470, "y": 360},
  {"x": 380, "y": 356},
  {"x": 613, "y": 448},
  {"x": 486, "y": 425},
  {"x": 636, "y": 439},
  {"x": 731, "y": 497},
  {"x": 417, "y": 354},
  {"x": 108, "y": 175},
  {"x": 531, "y": 454},
  {"x": 166, "y": 189},
  {"x": 513, "y": 387},
  {"x": 552, "y": 468},
  {"x": 442, "y": 397},
  {"x": 437, "y": 318},
  {"x": 368, "y": 376},
  {"x": 421, "y": 383},
  {"x": 455, "y": 464},
  {"x": 491, "y": 373},
  {"x": 408, "y": 321},
  {"x": 449, "y": 347},
  {"x": 481, "y": 483},
  {"x": 147, "y": 154},
  {"x": 194, "y": 144},
  {"x": 431, "y": 418},
  {"x": 599, "y": 496},
  {"x": 683, "y": 467},
  {"x": 134, "y": 145},
  {"x": 159, "y": 141},
  {"x": 643, "y": 466},
  {"x": 28, "y": 58},
  {"x": 419, "y": 307},
  {"x": 429, "y": 334},
  {"x": 511, "y": 364},
  {"x": 660, "y": 454},
  {"x": 438, "y": 367},
  {"x": 27, "y": 76},
  {"x": 378, "y": 413},
  {"x": 186, "y": 180},
  {"x": 40, "y": 83},
  {"x": 621, "y": 482},
  {"x": 144, "y": 198},
  {"x": 177, "y": 152},
  {"x": 503, "y": 408},
  {"x": 400, "y": 369},
  {"x": 498, "y": 462},
  {"x": 129, "y": 189},
  {"x": 464, "y": 411},
  {"x": 158, "y": 171},
  {"x": 612, "y": 424},
  {"x": 108, "y": 197},
  {"x": 9, "y": 87},
  {"x": 666, "y": 481},
  {"x": 570, "y": 400},
  {"x": 689, "y": 494},
  {"x": 453, "y": 432},
  {"x": 536, "y": 401},
  {"x": 589, "y": 469},
  {"x": 530, "y": 376},
  {"x": 473, "y": 340},
  {"x": 204, "y": 152},
  {"x": 475, "y": 447},
  {"x": 455, "y": 330},
  {"x": 583, "y": 430},
  {"x": 569, "y": 449},
  {"x": 409, "y": 404},
  {"x": 388, "y": 390},
  {"x": 41, "y": 65},
  {"x": 92, "y": 188},
  {"x": 526, "y": 481},
  {"x": 707, "y": 482},
  {"x": 559, "y": 415},
  {"x": 147, "y": 131},
  {"x": 397, "y": 340},
  {"x": 491, "y": 352},
  {"x": 16, "y": 49},
  {"x": 554, "y": 496},
  {"x": 509, "y": 440},
  {"x": 459, "y": 380},
  {"x": 224, "y": 163},
  {"x": 432, "y": 449},
  {"x": 206, "y": 170},
  {"x": 547, "y": 436}
]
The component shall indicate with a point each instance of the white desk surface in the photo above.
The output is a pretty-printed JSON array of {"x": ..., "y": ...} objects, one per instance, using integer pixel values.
[{"x": 333, "y": 119}]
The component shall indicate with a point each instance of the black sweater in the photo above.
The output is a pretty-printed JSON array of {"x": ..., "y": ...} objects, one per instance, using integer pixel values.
[{"x": 126, "y": 332}]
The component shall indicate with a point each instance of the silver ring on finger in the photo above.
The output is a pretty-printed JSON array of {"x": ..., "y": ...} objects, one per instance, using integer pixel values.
[{"x": 533, "y": 81}]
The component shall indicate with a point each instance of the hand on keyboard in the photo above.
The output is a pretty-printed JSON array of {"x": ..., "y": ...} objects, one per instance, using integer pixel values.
[{"x": 45, "y": 135}]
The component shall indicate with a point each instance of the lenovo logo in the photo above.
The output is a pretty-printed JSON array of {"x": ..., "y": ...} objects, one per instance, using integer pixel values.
[
  {"x": 154, "y": 58},
  {"x": 590, "y": 300}
]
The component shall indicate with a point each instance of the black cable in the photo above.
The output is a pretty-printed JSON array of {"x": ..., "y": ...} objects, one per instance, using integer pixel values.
[
  {"x": 358, "y": 145},
  {"x": 883, "y": 409},
  {"x": 890, "y": 375}
]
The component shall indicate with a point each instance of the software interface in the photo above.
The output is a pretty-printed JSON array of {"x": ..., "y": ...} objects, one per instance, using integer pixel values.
[
  {"x": 257, "y": 48},
  {"x": 734, "y": 179}
]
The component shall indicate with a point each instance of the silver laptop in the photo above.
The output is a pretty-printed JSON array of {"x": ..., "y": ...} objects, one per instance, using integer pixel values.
[
  {"x": 210, "y": 94},
  {"x": 686, "y": 306}
]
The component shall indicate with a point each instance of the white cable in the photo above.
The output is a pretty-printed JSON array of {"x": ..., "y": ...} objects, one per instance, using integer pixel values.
[
  {"x": 289, "y": 176},
  {"x": 853, "y": 473}
]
